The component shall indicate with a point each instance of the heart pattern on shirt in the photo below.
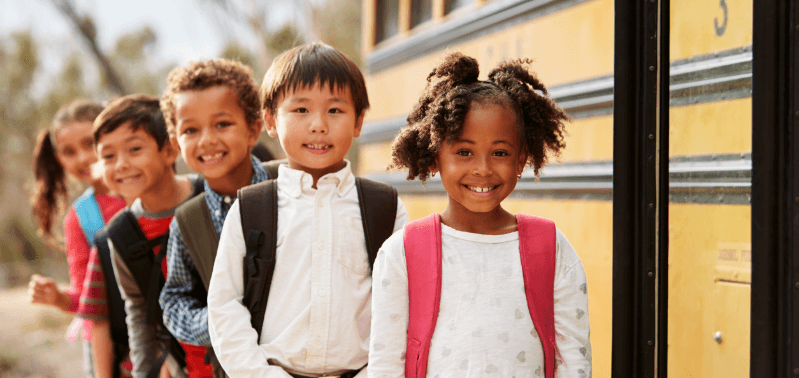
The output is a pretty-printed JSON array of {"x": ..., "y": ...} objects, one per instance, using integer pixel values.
[
  {"x": 534, "y": 333},
  {"x": 490, "y": 369},
  {"x": 584, "y": 288},
  {"x": 478, "y": 332},
  {"x": 521, "y": 357},
  {"x": 518, "y": 314},
  {"x": 538, "y": 371},
  {"x": 583, "y": 351},
  {"x": 464, "y": 364},
  {"x": 394, "y": 317},
  {"x": 386, "y": 282},
  {"x": 504, "y": 337},
  {"x": 582, "y": 373},
  {"x": 446, "y": 351},
  {"x": 580, "y": 313}
]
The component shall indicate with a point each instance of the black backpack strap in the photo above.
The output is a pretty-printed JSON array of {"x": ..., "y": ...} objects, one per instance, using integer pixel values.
[
  {"x": 116, "y": 306},
  {"x": 198, "y": 185},
  {"x": 137, "y": 252},
  {"x": 271, "y": 167},
  {"x": 199, "y": 234},
  {"x": 258, "y": 207},
  {"x": 378, "y": 203}
]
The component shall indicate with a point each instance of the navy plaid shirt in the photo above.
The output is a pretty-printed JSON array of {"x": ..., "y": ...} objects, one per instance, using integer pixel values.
[{"x": 185, "y": 316}]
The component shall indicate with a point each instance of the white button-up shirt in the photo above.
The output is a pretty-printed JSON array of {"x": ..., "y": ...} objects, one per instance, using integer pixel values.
[{"x": 319, "y": 307}]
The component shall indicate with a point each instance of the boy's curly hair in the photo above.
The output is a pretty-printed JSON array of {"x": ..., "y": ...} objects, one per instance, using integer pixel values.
[
  {"x": 453, "y": 88},
  {"x": 198, "y": 76}
]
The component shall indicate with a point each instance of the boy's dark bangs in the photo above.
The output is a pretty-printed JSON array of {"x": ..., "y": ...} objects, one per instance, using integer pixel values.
[
  {"x": 314, "y": 68},
  {"x": 138, "y": 117}
]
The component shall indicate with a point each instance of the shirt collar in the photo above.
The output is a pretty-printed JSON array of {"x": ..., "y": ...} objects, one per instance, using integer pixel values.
[
  {"x": 294, "y": 181},
  {"x": 259, "y": 174}
]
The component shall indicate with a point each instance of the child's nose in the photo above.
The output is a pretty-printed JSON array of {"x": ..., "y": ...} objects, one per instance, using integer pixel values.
[
  {"x": 208, "y": 138},
  {"x": 482, "y": 167},
  {"x": 318, "y": 125}
]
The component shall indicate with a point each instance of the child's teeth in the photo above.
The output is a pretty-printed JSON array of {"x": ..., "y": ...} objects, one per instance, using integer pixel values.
[
  {"x": 212, "y": 157},
  {"x": 317, "y": 146},
  {"x": 479, "y": 190}
]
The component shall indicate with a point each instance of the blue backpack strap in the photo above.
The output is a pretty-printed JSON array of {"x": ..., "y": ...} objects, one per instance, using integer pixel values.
[{"x": 89, "y": 215}]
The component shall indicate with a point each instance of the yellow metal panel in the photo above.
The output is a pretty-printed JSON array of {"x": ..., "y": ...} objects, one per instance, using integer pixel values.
[
  {"x": 374, "y": 158},
  {"x": 693, "y": 26},
  {"x": 582, "y": 49},
  {"x": 588, "y": 226},
  {"x": 589, "y": 139},
  {"x": 707, "y": 245},
  {"x": 712, "y": 128}
]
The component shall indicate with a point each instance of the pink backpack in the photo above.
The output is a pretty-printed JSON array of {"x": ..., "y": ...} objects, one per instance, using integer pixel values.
[{"x": 537, "y": 249}]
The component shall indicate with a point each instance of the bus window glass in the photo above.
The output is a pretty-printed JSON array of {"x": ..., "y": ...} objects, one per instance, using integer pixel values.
[
  {"x": 386, "y": 19},
  {"x": 710, "y": 178},
  {"x": 421, "y": 11},
  {"x": 451, "y": 5}
]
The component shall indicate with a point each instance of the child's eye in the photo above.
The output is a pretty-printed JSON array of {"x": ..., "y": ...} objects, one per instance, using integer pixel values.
[
  {"x": 135, "y": 149},
  {"x": 501, "y": 153},
  {"x": 464, "y": 153},
  {"x": 335, "y": 111},
  {"x": 68, "y": 152},
  {"x": 223, "y": 124},
  {"x": 189, "y": 131},
  {"x": 301, "y": 110},
  {"x": 108, "y": 156}
]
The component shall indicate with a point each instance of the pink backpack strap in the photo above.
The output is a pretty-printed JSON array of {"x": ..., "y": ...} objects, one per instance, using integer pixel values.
[
  {"x": 537, "y": 248},
  {"x": 424, "y": 290}
]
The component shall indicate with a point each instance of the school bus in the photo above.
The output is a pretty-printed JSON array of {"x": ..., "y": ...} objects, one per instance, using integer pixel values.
[{"x": 707, "y": 163}]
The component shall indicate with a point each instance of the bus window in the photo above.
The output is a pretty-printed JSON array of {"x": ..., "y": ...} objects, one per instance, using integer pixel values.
[
  {"x": 421, "y": 11},
  {"x": 386, "y": 20},
  {"x": 710, "y": 161},
  {"x": 451, "y": 5}
]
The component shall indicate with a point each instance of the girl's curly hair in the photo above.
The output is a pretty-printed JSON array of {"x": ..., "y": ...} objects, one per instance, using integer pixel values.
[
  {"x": 198, "y": 76},
  {"x": 453, "y": 88}
]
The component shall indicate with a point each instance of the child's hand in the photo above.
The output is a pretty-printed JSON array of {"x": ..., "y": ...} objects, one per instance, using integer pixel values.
[{"x": 43, "y": 290}]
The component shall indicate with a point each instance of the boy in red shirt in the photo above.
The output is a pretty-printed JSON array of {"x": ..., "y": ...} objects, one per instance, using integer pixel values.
[{"x": 138, "y": 159}]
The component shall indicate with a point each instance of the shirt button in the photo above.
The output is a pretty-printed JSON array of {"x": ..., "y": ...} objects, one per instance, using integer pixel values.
[
  {"x": 218, "y": 213},
  {"x": 321, "y": 292},
  {"x": 227, "y": 200}
]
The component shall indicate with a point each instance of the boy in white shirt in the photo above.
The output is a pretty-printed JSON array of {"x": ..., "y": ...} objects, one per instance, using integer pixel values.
[{"x": 317, "y": 317}]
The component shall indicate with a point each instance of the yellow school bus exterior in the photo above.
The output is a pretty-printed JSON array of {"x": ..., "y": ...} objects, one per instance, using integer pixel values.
[{"x": 572, "y": 45}]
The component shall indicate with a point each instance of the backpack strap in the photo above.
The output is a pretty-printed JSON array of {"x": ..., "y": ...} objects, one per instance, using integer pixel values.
[
  {"x": 136, "y": 251},
  {"x": 537, "y": 244},
  {"x": 271, "y": 167},
  {"x": 378, "y": 204},
  {"x": 424, "y": 290},
  {"x": 198, "y": 231},
  {"x": 258, "y": 207},
  {"x": 116, "y": 306},
  {"x": 89, "y": 215}
]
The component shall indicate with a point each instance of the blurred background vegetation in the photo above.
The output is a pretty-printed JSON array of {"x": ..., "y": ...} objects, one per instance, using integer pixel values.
[{"x": 28, "y": 102}]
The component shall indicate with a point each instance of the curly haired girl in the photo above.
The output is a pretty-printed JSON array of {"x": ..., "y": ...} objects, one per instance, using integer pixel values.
[{"x": 479, "y": 135}]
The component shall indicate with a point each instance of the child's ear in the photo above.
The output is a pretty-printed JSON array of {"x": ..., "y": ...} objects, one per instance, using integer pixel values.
[
  {"x": 173, "y": 140},
  {"x": 522, "y": 163},
  {"x": 269, "y": 123},
  {"x": 170, "y": 152},
  {"x": 253, "y": 133},
  {"x": 358, "y": 126}
]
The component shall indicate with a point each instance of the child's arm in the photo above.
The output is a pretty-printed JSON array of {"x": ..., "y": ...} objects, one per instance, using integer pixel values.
[
  {"x": 142, "y": 337},
  {"x": 573, "y": 358},
  {"x": 235, "y": 342},
  {"x": 389, "y": 310},
  {"x": 184, "y": 316},
  {"x": 77, "y": 248}
]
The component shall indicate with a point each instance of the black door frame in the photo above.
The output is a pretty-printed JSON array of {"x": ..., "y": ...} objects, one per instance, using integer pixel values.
[
  {"x": 775, "y": 191},
  {"x": 640, "y": 188}
]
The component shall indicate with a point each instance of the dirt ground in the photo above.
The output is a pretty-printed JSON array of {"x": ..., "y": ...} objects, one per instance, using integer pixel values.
[{"x": 32, "y": 341}]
